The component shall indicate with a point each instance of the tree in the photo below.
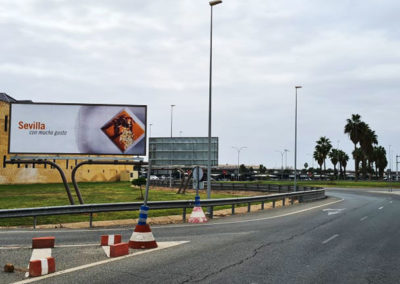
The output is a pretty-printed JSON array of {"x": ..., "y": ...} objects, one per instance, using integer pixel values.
[
  {"x": 353, "y": 128},
  {"x": 342, "y": 158},
  {"x": 324, "y": 146},
  {"x": 380, "y": 160},
  {"x": 263, "y": 169},
  {"x": 139, "y": 182},
  {"x": 367, "y": 142},
  {"x": 318, "y": 156},
  {"x": 357, "y": 156},
  {"x": 334, "y": 156}
]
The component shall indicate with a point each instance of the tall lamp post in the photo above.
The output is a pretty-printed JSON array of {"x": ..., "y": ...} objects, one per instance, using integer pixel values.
[
  {"x": 212, "y": 4},
  {"x": 238, "y": 151},
  {"x": 170, "y": 161},
  {"x": 282, "y": 153},
  {"x": 295, "y": 141},
  {"x": 150, "y": 129}
]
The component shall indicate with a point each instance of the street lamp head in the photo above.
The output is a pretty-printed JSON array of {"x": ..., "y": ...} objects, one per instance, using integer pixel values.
[
  {"x": 298, "y": 87},
  {"x": 215, "y": 2},
  {"x": 172, "y": 105}
]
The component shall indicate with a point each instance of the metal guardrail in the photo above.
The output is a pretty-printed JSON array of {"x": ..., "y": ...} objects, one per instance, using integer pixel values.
[
  {"x": 301, "y": 196},
  {"x": 241, "y": 186}
]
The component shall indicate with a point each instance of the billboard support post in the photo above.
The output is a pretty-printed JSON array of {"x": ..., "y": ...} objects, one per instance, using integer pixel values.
[{"x": 64, "y": 179}]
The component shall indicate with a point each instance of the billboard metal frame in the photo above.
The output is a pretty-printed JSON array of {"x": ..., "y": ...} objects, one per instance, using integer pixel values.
[{"x": 77, "y": 104}]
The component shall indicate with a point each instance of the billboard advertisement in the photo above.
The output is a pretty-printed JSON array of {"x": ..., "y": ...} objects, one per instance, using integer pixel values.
[{"x": 44, "y": 128}]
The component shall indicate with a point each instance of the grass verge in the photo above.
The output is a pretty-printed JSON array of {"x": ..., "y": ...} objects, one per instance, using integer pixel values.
[{"x": 40, "y": 195}]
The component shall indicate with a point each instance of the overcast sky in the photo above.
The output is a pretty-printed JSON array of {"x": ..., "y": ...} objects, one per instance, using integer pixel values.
[{"x": 345, "y": 54}]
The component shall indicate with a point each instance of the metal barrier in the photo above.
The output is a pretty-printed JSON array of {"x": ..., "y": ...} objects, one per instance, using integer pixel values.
[
  {"x": 301, "y": 196},
  {"x": 240, "y": 186}
]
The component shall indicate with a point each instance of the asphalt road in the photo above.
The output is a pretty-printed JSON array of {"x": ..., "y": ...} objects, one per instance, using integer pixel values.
[{"x": 351, "y": 237}]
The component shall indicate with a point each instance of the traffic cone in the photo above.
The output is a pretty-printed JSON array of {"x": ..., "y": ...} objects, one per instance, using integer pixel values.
[
  {"x": 142, "y": 237},
  {"x": 197, "y": 215}
]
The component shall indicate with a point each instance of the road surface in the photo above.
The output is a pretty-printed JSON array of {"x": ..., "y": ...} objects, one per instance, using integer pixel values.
[{"x": 351, "y": 237}]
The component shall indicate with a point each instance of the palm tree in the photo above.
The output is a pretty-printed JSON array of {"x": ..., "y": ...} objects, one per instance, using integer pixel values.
[
  {"x": 357, "y": 156},
  {"x": 367, "y": 142},
  {"x": 344, "y": 159},
  {"x": 324, "y": 145},
  {"x": 318, "y": 156},
  {"x": 380, "y": 160},
  {"x": 334, "y": 156},
  {"x": 353, "y": 129}
]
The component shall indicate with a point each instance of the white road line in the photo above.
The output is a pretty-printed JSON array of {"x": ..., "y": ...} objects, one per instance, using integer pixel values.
[
  {"x": 161, "y": 245},
  {"x": 380, "y": 208},
  {"x": 252, "y": 220},
  {"x": 180, "y": 226},
  {"x": 390, "y": 201},
  {"x": 330, "y": 239},
  {"x": 363, "y": 218}
]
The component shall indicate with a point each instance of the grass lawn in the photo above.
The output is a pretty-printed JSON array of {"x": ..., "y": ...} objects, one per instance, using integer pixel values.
[
  {"x": 40, "y": 195},
  {"x": 335, "y": 183}
]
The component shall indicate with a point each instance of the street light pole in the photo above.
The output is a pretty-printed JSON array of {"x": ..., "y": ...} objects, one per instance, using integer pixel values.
[
  {"x": 170, "y": 161},
  {"x": 282, "y": 153},
  {"x": 238, "y": 150},
  {"x": 295, "y": 141},
  {"x": 150, "y": 129},
  {"x": 212, "y": 3},
  {"x": 286, "y": 150}
]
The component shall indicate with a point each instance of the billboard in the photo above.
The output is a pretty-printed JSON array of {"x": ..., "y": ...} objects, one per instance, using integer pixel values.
[
  {"x": 45, "y": 128},
  {"x": 182, "y": 151}
]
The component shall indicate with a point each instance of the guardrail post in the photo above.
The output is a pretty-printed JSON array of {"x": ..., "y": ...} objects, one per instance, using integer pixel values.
[
  {"x": 283, "y": 201},
  {"x": 233, "y": 209},
  {"x": 273, "y": 203},
  {"x": 211, "y": 212},
  {"x": 262, "y": 205},
  {"x": 291, "y": 200},
  {"x": 34, "y": 222},
  {"x": 249, "y": 207},
  {"x": 184, "y": 215},
  {"x": 91, "y": 220}
]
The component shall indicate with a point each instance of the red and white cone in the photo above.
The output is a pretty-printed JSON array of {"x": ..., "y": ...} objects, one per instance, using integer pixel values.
[
  {"x": 142, "y": 237},
  {"x": 197, "y": 215}
]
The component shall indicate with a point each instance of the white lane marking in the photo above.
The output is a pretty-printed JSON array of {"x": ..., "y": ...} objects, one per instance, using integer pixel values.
[
  {"x": 380, "y": 208},
  {"x": 161, "y": 245},
  {"x": 251, "y": 220},
  {"x": 333, "y": 211},
  {"x": 41, "y": 253},
  {"x": 363, "y": 218},
  {"x": 177, "y": 226},
  {"x": 330, "y": 239},
  {"x": 106, "y": 250}
]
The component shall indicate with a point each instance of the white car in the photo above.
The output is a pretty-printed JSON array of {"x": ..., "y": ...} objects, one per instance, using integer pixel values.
[{"x": 152, "y": 177}]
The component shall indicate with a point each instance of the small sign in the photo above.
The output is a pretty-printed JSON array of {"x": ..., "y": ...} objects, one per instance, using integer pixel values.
[{"x": 197, "y": 173}]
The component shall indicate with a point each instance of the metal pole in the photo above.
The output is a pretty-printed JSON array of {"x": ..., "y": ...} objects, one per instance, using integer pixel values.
[
  {"x": 150, "y": 129},
  {"x": 295, "y": 141},
  {"x": 397, "y": 168},
  {"x": 146, "y": 194},
  {"x": 209, "y": 113},
  {"x": 170, "y": 161},
  {"x": 238, "y": 165},
  {"x": 212, "y": 3}
]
